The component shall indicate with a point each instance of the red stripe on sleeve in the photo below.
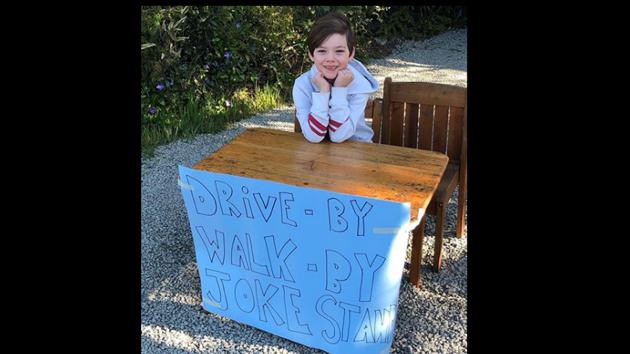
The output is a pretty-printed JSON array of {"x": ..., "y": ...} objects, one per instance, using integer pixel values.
[
  {"x": 334, "y": 123},
  {"x": 314, "y": 129},
  {"x": 316, "y": 122}
]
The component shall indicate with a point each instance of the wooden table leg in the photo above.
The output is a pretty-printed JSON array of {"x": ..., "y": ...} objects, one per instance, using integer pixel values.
[{"x": 416, "y": 254}]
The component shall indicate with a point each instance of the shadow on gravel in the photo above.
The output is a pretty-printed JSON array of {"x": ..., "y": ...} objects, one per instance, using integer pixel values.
[{"x": 402, "y": 64}]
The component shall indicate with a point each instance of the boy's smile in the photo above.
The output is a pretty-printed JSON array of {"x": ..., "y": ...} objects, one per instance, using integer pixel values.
[{"x": 332, "y": 55}]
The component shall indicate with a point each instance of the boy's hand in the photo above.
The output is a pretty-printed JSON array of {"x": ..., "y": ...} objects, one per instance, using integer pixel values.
[
  {"x": 344, "y": 77},
  {"x": 321, "y": 82}
]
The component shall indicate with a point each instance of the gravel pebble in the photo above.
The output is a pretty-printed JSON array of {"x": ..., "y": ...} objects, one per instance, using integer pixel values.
[{"x": 430, "y": 320}]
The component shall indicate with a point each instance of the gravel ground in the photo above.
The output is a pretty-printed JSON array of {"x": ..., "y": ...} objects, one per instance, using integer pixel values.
[{"x": 430, "y": 320}]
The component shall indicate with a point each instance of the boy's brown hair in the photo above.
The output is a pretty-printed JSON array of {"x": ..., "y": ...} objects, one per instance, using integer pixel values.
[{"x": 328, "y": 25}]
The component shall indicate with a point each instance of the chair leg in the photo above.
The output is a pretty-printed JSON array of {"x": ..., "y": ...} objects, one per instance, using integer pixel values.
[
  {"x": 461, "y": 210},
  {"x": 439, "y": 232},
  {"x": 416, "y": 254}
]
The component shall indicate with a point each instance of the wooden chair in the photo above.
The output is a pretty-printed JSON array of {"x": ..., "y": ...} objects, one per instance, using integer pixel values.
[{"x": 433, "y": 117}]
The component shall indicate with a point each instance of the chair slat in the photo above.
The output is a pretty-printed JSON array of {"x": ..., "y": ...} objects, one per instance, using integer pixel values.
[
  {"x": 440, "y": 127},
  {"x": 425, "y": 133},
  {"x": 455, "y": 122},
  {"x": 369, "y": 107},
  {"x": 385, "y": 133},
  {"x": 411, "y": 125},
  {"x": 397, "y": 116},
  {"x": 377, "y": 119}
]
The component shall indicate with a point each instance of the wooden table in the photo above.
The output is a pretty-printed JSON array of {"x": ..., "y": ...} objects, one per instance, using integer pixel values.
[{"x": 379, "y": 171}]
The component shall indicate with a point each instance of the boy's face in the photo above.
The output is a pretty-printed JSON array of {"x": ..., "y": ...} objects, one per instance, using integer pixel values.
[{"x": 332, "y": 55}]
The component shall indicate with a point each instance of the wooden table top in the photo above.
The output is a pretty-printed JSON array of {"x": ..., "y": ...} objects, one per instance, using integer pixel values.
[{"x": 378, "y": 171}]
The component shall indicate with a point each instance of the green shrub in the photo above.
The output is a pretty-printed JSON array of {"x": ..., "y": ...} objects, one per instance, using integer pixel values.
[
  {"x": 415, "y": 22},
  {"x": 193, "y": 115}
]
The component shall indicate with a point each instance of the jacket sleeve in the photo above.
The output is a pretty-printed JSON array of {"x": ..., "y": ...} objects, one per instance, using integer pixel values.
[
  {"x": 345, "y": 113},
  {"x": 312, "y": 112}
]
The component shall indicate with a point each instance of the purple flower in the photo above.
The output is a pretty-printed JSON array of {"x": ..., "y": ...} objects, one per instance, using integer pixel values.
[
  {"x": 160, "y": 86},
  {"x": 227, "y": 55},
  {"x": 152, "y": 110}
]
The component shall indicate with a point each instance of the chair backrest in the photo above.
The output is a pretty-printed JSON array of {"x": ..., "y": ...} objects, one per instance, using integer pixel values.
[
  {"x": 426, "y": 116},
  {"x": 373, "y": 110}
]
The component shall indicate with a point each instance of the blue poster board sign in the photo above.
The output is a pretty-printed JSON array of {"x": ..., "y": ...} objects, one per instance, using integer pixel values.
[{"x": 316, "y": 267}]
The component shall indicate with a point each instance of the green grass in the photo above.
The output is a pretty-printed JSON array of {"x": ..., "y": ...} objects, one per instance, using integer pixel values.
[{"x": 197, "y": 116}]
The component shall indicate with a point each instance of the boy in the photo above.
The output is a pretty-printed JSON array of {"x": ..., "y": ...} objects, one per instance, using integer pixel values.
[{"x": 330, "y": 99}]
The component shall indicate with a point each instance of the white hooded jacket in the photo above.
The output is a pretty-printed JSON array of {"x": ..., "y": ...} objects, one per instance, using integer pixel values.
[{"x": 340, "y": 112}]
